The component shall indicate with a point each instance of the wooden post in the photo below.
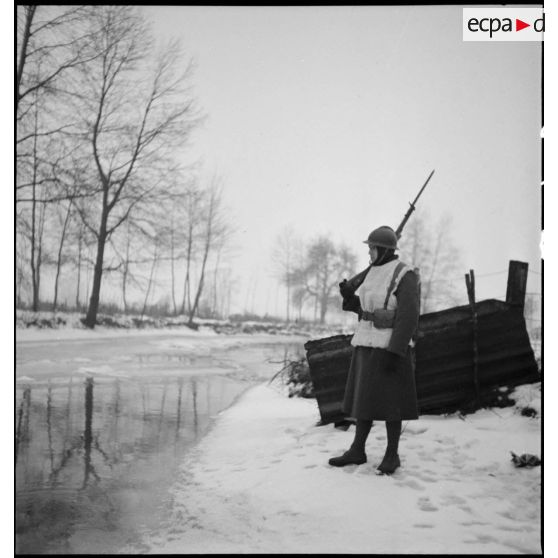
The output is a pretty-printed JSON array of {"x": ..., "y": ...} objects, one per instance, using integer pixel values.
[
  {"x": 517, "y": 283},
  {"x": 470, "y": 282}
]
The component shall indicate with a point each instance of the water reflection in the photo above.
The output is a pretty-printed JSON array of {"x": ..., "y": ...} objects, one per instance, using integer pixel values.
[
  {"x": 94, "y": 457},
  {"x": 22, "y": 428}
]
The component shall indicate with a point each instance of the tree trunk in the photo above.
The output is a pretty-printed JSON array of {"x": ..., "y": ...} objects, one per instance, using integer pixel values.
[
  {"x": 215, "y": 278},
  {"x": 126, "y": 270},
  {"x": 207, "y": 247},
  {"x": 33, "y": 262},
  {"x": 153, "y": 266},
  {"x": 174, "y": 307},
  {"x": 35, "y": 286},
  {"x": 229, "y": 299},
  {"x": 23, "y": 53},
  {"x": 124, "y": 282},
  {"x": 59, "y": 259},
  {"x": 93, "y": 309},
  {"x": 192, "y": 311},
  {"x": 323, "y": 308},
  {"x": 187, "y": 281},
  {"x": 288, "y": 299},
  {"x": 316, "y": 300},
  {"x": 80, "y": 245},
  {"x": 19, "y": 283}
]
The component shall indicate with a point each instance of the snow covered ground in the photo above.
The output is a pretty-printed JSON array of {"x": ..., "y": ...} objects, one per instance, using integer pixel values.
[
  {"x": 260, "y": 482},
  {"x": 195, "y": 343},
  {"x": 64, "y": 325}
]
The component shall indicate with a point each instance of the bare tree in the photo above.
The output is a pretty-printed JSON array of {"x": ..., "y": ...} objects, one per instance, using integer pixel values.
[
  {"x": 126, "y": 267},
  {"x": 429, "y": 247},
  {"x": 325, "y": 264},
  {"x": 299, "y": 297},
  {"x": 154, "y": 262},
  {"x": 193, "y": 221},
  {"x": 80, "y": 247},
  {"x": 51, "y": 42},
  {"x": 215, "y": 284},
  {"x": 172, "y": 247},
  {"x": 136, "y": 109},
  {"x": 37, "y": 217},
  {"x": 283, "y": 255},
  {"x": 21, "y": 277},
  {"x": 130, "y": 244},
  {"x": 59, "y": 258},
  {"x": 215, "y": 231}
]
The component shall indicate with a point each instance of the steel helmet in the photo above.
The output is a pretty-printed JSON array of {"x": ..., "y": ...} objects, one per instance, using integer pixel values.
[{"x": 383, "y": 236}]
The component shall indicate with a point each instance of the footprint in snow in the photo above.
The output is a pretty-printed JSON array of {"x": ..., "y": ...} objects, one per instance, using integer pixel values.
[
  {"x": 427, "y": 456},
  {"x": 484, "y": 539},
  {"x": 445, "y": 440},
  {"x": 415, "y": 429},
  {"x": 426, "y": 477},
  {"x": 425, "y": 504},
  {"x": 509, "y": 528},
  {"x": 411, "y": 484},
  {"x": 450, "y": 499},
  {"x": 287, "y": 512},
  {"x": 459, "y": 458},
  {"x": 475, "y": 522}
]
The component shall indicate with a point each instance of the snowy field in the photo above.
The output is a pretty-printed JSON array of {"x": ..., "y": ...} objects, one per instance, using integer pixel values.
[{"x": 260, "y": 482}]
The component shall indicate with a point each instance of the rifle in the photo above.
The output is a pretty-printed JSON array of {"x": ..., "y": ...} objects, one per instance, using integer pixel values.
[
  {"x": 411, "y": 208},
  {"x": 354, "y": 282}
]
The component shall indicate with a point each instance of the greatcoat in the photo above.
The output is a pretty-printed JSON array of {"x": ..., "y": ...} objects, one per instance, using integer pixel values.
[{"x": 373, "y": 391}]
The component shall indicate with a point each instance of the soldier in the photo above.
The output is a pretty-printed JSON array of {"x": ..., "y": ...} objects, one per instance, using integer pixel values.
[{"x": 381, "y": 380}]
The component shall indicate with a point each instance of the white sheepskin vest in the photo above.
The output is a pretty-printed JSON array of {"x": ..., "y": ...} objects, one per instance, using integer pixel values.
[{"x": 372, "y": 294}]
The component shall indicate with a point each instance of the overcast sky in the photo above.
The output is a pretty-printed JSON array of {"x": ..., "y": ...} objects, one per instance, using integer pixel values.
[{"x": 330, "y": 118}]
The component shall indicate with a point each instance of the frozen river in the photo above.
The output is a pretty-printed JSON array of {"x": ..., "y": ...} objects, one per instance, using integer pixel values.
[{"x": 102, "y": 425}]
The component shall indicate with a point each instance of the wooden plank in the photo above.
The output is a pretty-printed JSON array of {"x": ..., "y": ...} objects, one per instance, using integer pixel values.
[{"x": 517, "y": 283}]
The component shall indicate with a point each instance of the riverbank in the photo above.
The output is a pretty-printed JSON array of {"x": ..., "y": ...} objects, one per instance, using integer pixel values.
[
  {"x": 260, "y": 482},
  {"x": 63, "y": 325}
]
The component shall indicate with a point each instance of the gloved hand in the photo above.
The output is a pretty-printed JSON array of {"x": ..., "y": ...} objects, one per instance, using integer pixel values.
[
  {"x": 352, "y": 304},
  {"x": 391, "y": 362},
  {"x": 345, "y": 289}
]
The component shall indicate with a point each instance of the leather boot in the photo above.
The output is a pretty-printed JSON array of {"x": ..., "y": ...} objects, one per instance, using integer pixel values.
[
  {"x": 350, "y": 457},
  {"x": 389, "y": 464},
  {"x": 391, "y": 461}
]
